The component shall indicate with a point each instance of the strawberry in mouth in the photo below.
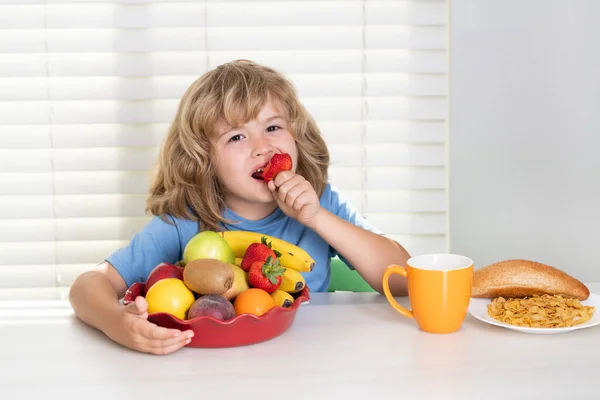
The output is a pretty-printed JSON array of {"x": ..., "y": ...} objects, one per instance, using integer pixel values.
[{"x": 277, "y": 163}]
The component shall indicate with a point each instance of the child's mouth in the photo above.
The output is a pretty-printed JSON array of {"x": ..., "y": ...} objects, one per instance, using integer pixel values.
[{"x": 258, "y": 174}]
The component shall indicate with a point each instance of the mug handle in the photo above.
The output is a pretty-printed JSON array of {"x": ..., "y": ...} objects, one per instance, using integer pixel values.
[{"x": 394, "y": 269}]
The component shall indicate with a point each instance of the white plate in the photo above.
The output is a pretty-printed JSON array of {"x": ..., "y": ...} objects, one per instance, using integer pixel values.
[{"x": 478, "y": 309}]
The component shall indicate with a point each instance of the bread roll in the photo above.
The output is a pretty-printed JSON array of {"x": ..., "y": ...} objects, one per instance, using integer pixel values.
[{"x": 521, "y": 278}]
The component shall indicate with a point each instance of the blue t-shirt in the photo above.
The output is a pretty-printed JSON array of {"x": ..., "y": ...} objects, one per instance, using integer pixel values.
[{"x": 163, "y": 242}]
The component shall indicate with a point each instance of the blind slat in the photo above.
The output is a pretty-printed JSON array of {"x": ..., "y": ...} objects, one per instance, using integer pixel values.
[
  {"x": 23, "y": 184},
  {"x": 44, "y": 294},
  {"x": 163, "y": 111},
  {"x": 173, "y": 87},
  {"x": 27, "y": 276},
  {"x": 406, "y": 201},
  {"x": 394, "y": 154},
  {"x": 19, "y": 253},
  {"x": 194, "y": 63},
  {"x": 411, "y": 2},
  {"x": 230, "y": 38},
  {"x": 27, "y": 230},
  {"x": 402, "y": 178},
  {"x": 181, "y": 14},
  {"x": 15, "y": 208},
  {"x": 410, "y": 224},
  {"x": 234, "y": 38},
  {"x": 405, "y": 131},
  {"x": 74, "y": 182},
  {"x": 405, "y": 12}
]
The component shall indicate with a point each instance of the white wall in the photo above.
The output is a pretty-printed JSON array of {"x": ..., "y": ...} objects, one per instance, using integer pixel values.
[{"x": 524, "y": 157}]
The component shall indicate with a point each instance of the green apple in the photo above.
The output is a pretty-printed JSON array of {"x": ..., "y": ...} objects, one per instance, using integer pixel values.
[{"x": 208, "y": 244}]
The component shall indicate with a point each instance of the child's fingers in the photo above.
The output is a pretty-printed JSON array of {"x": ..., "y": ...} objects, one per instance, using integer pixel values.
[
  {"x": 299, "y": 195},
  {"x": 137, "y": 307},
  {"x": 179, "y": 340},
  {"x": 283, "y": 177},
  {"x": 291, "y": 188},
  {"x": 154, "y": 332},
  {"x": 168, "y": 346},
  {"x": 301, "y": 200},
  {"x": 274, "y": 191},
  {"x": 291, "y": 194},
  {"x": 142, "y": 304},
  {"x": 148, "y": 337},
  {"x": 164, "y": 341}
]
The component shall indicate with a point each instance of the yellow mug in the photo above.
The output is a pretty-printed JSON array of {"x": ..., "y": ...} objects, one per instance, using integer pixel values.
[{"x": 439, "y": 290}]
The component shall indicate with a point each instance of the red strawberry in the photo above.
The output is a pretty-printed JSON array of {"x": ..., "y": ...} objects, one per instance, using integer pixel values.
[
  {"x": 258, "y": 252},
  {"x": 277, "y": 163},
  {"x": 265, "y": 275}
]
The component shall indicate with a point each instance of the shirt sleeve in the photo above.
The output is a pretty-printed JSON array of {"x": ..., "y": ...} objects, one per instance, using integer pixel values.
[
  {"x": 337, "y": 204},
  {"x": 157, "y": 242}
]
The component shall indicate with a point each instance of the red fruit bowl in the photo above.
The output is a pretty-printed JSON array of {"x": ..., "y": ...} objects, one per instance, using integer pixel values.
[{"x": 242, "y": 330}]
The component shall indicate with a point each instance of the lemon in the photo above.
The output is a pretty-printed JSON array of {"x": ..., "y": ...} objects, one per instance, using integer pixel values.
[{"x": 170, "y": 295}]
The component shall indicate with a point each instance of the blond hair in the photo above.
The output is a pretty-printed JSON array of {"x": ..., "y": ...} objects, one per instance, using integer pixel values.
[{"x": 185, "y": 183}]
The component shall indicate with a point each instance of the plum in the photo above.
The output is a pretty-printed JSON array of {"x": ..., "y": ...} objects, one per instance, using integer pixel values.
[{"x": 212, "y": 305}]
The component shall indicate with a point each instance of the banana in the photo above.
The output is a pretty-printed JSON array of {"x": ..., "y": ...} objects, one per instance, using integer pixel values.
[
  {"x": 292, "y": 256},
  {"x": 238, "y": 261},
  {"x": 292, "y": 281},
  {"x": 283, "y": 299}
]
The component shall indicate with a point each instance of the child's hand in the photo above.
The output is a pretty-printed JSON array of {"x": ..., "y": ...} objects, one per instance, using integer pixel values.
[
  {"x": 296, "y": 197},
  {"x": 136, "y": 332}
]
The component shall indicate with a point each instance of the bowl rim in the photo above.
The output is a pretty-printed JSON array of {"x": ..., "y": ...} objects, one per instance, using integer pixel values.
[{"x": 303, "y": 296}]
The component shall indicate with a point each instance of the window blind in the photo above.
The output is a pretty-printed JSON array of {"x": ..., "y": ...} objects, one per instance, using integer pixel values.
[{"x": 88, "y": 89}]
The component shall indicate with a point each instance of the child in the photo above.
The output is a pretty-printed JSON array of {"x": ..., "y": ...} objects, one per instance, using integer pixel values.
[{"x": 229, "y": 124}]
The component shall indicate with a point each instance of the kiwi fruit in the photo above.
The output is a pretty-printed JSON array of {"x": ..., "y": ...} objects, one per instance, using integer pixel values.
[{"x": 208, "y": 276}]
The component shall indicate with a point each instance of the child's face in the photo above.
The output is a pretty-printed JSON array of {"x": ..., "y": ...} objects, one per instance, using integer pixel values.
[{"x": 241, "y": 151}]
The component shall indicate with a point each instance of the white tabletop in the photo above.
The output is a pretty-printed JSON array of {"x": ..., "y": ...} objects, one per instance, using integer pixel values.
[{"x": 343, "y": 344}]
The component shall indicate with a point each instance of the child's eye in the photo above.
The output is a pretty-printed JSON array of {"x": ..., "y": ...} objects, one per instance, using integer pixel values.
[
  {"x": 235, "y": 138},
  {"x": 273, "y": 128}
]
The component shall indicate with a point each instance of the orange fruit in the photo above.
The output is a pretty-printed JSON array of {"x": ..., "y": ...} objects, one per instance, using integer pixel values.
[
  {"x": 253, "y": 301},
  {"x": 170, "y": 295}
]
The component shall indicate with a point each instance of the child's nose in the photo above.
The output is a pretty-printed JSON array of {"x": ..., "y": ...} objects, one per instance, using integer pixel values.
[{"x": 262, "y": 146}]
